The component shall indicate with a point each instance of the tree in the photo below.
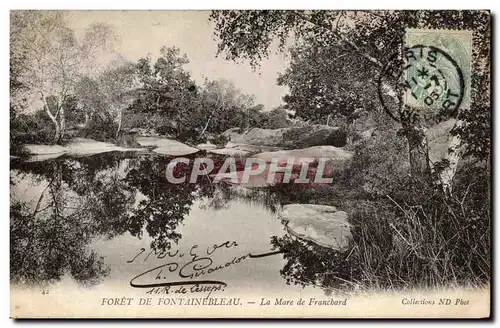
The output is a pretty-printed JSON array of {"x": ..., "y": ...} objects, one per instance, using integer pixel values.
[
  {"x": 223, "y": 106},
  {"x": 276, "y": 118},
  {"x": 372, "y": 37},
  {"x": 90, "y": 97},
  {"x": 112, "y": 91},
  {"x": 52, "y": 61},
  {"x": 98, "y": 49},
  {"x": 326, "y": 83},
  {"x": 167, "y": 91}
]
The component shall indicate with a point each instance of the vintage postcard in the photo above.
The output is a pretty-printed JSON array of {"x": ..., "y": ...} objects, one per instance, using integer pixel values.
[{"x": 250, "y": 164}]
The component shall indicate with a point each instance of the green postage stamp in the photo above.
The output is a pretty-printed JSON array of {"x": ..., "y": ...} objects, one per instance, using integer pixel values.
[{"x": 437, "y": 69}]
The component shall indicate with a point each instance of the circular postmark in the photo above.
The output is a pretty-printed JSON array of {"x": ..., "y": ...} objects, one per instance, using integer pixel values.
[{"x": 424, "y": 78}]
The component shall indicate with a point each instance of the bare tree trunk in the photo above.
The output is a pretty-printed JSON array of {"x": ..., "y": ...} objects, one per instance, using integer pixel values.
[
  {"x": 418, "y": 152},
  {"x": 53, "y": 118},
  {"x": 451, "y": 159},
  {"x": 209, "y": 119},
  {"x": 120, "y": 114},
  {"x": 87, "y": 118},
  {"x": 418, "y": 149},
  {"x": 206, "y": 124},
  {"x": 62, "y": 123},
  {"x": 57, "y": 135}
]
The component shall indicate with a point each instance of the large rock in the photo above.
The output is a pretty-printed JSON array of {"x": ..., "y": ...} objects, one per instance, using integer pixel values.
[
  {"x": 293, "y": 137},
  {"x": 321, "y": 224},
  {"x": 316, "y": 152},
  {"x": 335, "y": 158},
  {"x": 84, "y": 146}
]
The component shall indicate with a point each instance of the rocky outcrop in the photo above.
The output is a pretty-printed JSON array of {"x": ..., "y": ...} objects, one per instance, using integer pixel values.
[
  {"x": 320, "y": 224},
  {"x": 291, "y": 138}
]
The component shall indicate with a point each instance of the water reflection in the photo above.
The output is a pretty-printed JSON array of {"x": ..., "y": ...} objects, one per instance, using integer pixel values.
[{"x": 59, "y": 207}]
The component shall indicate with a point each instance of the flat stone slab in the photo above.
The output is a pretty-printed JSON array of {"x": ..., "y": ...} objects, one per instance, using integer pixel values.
[
  {"x": 321, "y": 224},
  {"x": 173, "y": 151},
  {"x": 316, "y": 152},
  {"x": 44, "y": 149},
  {"x": 206, "y": 146},
  {"x": 167, "y": 146},
  {"x": 229, "y": 152},
  {"x": 76, "y": 147}
]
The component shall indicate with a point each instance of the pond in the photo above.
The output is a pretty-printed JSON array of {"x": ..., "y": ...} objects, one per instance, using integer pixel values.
[{"x": 114, "y": 220}]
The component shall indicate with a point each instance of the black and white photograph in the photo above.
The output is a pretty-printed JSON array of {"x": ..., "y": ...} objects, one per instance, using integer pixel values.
[{"x": 250, "y": 163}]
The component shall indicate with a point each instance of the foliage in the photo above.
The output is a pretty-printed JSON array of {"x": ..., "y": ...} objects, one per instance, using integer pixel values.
[
  {"x": 175, "y": 105},
  {"x": 167, "y": 89},
  {"x": 29, "y": 129},
  {"x": 327, "y": 83},
  {"x": 369, "y": 37},
  {"x": 99, "y": 128},
  {"x": 48, "y": 59},
  {"x": 379, "y": 163},
  {"x": 220, "y": 140},
  {"x": 42, "y": 251}
]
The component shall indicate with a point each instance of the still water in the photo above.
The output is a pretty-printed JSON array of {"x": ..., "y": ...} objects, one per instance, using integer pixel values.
[{"x": 114, "y": 220}]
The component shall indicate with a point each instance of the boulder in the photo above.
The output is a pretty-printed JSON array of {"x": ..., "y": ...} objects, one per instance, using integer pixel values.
[
  {"x": 84, "y": 146},
  {"x": 293, "y": 137},
  {"x": 314, "y": 135},
  {"x": 336, "y": 158},
  {"x": 176, "y": 150},
  {"x": 316, "y": 152},
  {"x": 45, "y": 157},
  {"x": 320, "y": 224}
]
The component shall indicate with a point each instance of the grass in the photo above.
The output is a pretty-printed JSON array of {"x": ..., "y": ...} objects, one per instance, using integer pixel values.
[{"x": 420, "y": 237}]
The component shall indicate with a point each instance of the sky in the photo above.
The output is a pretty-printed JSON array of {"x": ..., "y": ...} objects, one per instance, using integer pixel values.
[{"x": 144, "y": 32}]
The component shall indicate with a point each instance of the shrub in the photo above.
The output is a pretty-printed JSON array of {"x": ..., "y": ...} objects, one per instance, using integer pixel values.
[
  {"x": 379, "y": 163},
  {"x": 29, "y": 129},
  {"x": 100, "y": 127},
  {"x": 220, "y": 140}
]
